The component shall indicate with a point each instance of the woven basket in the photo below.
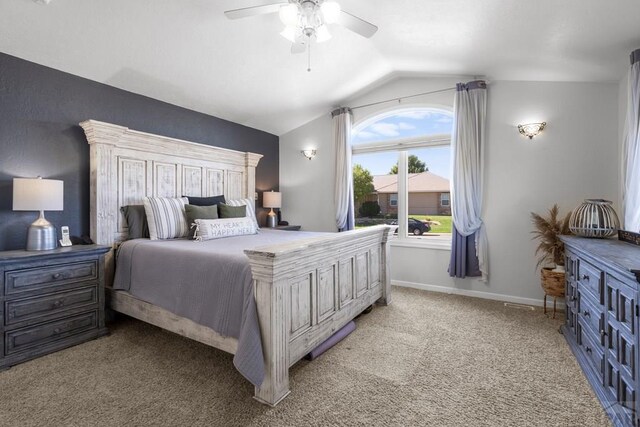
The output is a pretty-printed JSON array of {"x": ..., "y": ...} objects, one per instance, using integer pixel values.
[{"x": 552, "y": 282}]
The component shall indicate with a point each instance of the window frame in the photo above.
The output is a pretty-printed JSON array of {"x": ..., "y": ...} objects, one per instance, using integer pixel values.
[
  {"x": 402, "y": 146},
  {"x": 393, "y": 199},
  {"x": 448, "y": 199}
]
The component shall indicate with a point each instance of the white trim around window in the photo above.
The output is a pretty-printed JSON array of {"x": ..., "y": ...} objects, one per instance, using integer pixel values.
[{"x": 402, "y": 144}]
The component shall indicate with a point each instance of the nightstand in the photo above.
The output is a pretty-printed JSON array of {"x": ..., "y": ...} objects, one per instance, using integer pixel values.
[
  {"x": 288, "y": 227},
  {"x": 50, "y": 300}
]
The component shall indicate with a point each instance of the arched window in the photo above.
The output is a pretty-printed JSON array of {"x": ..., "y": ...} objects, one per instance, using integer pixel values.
[{"x": 401, "y": 170}]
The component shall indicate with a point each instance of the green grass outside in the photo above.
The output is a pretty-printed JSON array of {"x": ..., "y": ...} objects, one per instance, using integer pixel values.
[
  {"x": 444, "y": 227},
  {"x": 445, "y": 222}
]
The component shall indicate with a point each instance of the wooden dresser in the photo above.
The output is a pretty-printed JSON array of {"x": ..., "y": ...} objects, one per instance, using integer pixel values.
[
  {"x": 602, "y": 283},
  {"x": 50, "y": 300}
]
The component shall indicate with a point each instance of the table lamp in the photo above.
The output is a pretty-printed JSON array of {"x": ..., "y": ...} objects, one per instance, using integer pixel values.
[
  {"x": 271, "y": 199},
  {"x": 37, "y": 194}
]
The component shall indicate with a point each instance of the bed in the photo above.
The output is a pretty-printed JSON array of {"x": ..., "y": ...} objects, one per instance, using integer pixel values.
[{"x": 305, "y": 288}]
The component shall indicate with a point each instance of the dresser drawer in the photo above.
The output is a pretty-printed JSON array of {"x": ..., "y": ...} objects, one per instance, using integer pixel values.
[
  {"x": 25, "y": 338},
  {"x": 49, "y": 306},
  {"x": 591, "y": 315},
  {"x": 590, "y": 279},
  {"x": 595, "y": 355},
  {"x": 571, "y": 319},
  {"x": 571, "y": 296},
  {"x": 18, "y": 281}
]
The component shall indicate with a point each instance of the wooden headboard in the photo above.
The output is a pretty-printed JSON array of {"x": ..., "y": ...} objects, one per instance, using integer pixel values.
[{"x": 127, "y": 165}]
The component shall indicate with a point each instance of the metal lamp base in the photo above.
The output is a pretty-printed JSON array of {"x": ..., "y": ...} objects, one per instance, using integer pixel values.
[
  {"x": 41, "y": 235},
  {"x": 272, "y": 220}
]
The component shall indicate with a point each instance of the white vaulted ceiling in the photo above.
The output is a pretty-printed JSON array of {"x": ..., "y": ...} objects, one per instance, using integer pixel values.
[{"x": 187, "y": 53}]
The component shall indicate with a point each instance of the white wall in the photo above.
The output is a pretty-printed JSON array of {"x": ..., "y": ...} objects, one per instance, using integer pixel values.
[{"x": 575, "y": 158}]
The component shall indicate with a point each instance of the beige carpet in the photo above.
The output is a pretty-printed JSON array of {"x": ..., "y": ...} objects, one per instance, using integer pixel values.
[{"x": 428, "y": 359}]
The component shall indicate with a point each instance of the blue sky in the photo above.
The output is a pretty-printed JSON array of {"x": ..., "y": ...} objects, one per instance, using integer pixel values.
[{"x": 404, "y": 125}]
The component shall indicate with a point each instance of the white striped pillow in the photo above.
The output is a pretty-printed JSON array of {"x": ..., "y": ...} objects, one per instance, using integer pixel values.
[
  {"x": 251, "y": 210},
  {"x": 166, "y": 217}
]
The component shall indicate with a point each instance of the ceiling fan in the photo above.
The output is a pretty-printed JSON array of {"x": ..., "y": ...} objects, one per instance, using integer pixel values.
[{"x": 306, "y": 20}]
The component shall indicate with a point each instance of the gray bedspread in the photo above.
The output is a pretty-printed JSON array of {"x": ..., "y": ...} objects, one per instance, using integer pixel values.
[{"x": 208, "y": 282}]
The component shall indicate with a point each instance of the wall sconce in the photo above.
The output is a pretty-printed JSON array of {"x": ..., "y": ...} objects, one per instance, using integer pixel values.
[
  {"x": 309, "y": 154},
  {"x": 531, "y": 129}
]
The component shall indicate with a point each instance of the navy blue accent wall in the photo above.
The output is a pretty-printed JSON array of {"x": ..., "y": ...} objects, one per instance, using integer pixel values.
[{"x": 40, "y": 109}]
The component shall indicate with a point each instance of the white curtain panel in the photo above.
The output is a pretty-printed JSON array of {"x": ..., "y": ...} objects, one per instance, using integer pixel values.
[
  {"x": 342, "y": 118},
  {"x": 468, "y": 140},
  {"x": 631, "y": 153}
]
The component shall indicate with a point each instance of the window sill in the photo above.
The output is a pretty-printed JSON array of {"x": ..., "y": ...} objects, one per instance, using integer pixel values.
[{"x": 442, "y": 244}]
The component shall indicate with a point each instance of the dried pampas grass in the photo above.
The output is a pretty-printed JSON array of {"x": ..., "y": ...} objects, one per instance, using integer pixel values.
[{"x": 548, "y": 230}]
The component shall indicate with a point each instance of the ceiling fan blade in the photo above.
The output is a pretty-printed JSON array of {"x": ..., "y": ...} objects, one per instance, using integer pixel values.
[
  {"x": 298, "y": 48},
  {"x": 357, "y": 25},
  {"x": 254, "y": 10}
]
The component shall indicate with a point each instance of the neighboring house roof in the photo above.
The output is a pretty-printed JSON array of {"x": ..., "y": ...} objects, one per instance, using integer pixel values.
[{"x": 425, "y": 182}]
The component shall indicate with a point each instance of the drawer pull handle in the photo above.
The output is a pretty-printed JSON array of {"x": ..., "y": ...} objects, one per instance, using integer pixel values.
[
  {"x": 573, "y": 299},
  {"x": 56, "y": 276},
  {"x": 588, "y": 349},
  {"x": 586, "y": 313},
  {"x": 603, "y": 333},
  {"x": 56, "y": 331},
  {"x": 585, "y": 277},
  {"x": 58, "y": 304}
]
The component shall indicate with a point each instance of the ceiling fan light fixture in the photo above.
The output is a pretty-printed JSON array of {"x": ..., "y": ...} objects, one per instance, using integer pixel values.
[
  {"x": 322, "y": 34},
  {"x": 330, "y": 11},
  {"x": 289, "y": 15},
  {"x": 289, "y": 33}
]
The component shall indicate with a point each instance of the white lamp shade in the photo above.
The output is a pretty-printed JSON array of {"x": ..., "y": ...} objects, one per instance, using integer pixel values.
[
  {"x": 322, "y": 34},
  {"x": 289, "y": 33},
  {"x": 289, "y": 15},
  {"x": 37, "y": 194},
  {"x": 330, "y": 11},
  {"x": 271, "y": 199}
]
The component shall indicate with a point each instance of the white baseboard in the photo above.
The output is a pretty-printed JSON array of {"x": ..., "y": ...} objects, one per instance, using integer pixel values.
[{"x": 479, "y": 294}]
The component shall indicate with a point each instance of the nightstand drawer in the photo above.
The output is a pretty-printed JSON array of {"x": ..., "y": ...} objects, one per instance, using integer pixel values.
[
  {"x": 48, "y": 276},
  {"x": 25, "y": 338},
  {"x": 49, "y": 306}
]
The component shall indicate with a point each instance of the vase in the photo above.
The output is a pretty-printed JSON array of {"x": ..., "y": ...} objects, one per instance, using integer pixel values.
[{"x": 594, "y": 218}]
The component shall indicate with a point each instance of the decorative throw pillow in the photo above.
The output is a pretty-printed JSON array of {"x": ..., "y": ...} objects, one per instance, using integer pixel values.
[
  {"x": 166, "y": 217},
  {"x": 208, "y": 229},
  {"x": 136, "y": 221},
  {"x": 194, "y": 212},
  {"x": 251, "y": 211},
  {"x": 226, "y": 211},
  {"x": 206, "y": 201}
]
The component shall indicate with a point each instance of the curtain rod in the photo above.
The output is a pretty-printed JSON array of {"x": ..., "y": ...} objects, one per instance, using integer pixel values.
[{"x": 404, "y": 97}]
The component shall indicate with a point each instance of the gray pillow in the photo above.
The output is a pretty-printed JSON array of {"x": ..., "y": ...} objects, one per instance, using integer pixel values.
[
  {"x": 194, "y": 212},
  {"x": 206, "y": 201},
  {"x": 136, "y": 221},
  {"x": 226, "y": 211}
]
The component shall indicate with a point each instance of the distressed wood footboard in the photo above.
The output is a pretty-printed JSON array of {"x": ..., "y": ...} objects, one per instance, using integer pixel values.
[{"x": 308, "y": 289}]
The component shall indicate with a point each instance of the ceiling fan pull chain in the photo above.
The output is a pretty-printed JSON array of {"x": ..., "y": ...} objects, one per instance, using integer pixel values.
[{"x": 309, "y": 56}]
